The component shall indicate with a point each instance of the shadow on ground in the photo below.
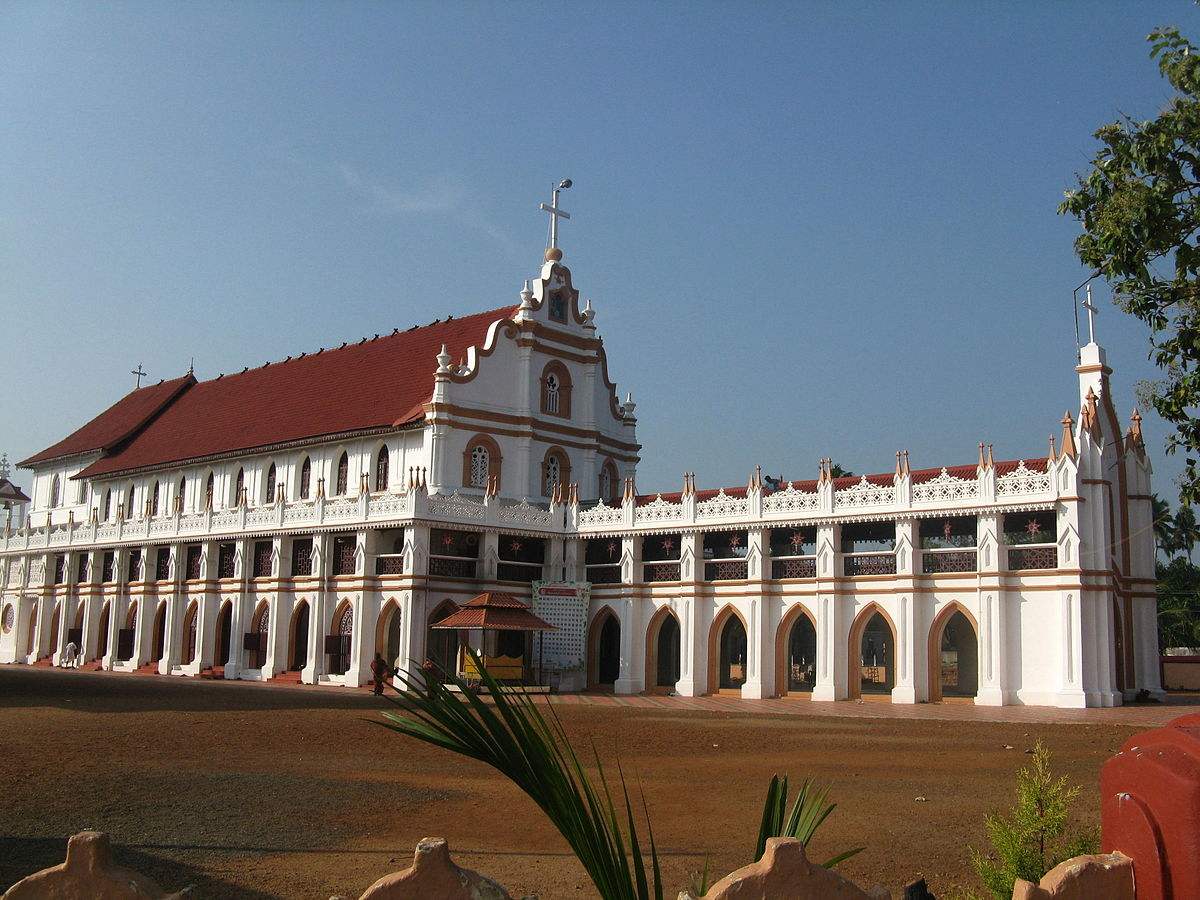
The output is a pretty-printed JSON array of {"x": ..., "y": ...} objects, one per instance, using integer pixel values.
[{"x": 107, "y": 692}]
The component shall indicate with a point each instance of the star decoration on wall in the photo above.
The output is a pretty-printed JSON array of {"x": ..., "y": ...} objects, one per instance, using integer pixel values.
[
  {"x": 515, "y": 547},
  {"x": 735, "y": 542},
  {"x": 668, "y": 545},
  {"x": 612, "y": 549},
  {"x": 797, "y": 541},
  {"x": 447, "y": 540},
  {"x": 1033, "y": 527},
  {"x": 947, "y": 530}
]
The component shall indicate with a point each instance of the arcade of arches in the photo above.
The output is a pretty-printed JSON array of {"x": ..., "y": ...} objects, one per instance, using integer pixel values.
[{"x": 952, "y": 656}]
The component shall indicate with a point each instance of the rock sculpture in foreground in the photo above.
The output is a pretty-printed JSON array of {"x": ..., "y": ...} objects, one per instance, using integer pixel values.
[
  {"x": 784, "y": 871},
  {"x": 433, "y": 874},
  {"x": 87, "y": 874},
  {"x": 1108, "y": 875}
]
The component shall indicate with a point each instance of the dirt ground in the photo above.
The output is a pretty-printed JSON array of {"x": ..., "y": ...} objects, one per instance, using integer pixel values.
[{"x": 252, "y": 791}]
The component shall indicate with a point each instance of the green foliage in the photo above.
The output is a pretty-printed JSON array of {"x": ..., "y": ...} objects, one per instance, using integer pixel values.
[
  {"x": 1032, "y": 839},
  {"x": 511, "y": 735},
  {"x": 1178, "y": 603},
  {"x": 837, "y": 471},
  {"x": 808, "y": 812},
  {"x": 1140, "y": 210}
]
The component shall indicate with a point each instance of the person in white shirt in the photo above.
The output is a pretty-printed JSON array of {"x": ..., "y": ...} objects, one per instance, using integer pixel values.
[{"x": 70, "y": 656}]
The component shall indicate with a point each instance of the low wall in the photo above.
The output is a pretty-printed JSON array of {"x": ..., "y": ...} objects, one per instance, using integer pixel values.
[{"x": 1181, "y": 673}]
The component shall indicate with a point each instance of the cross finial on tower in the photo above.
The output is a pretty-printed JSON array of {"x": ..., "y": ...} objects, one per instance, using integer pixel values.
[
  {"x": 1092, "y": 312},
  {"x": 555, "y": 214},
  {"x": 140, "y": 373}
]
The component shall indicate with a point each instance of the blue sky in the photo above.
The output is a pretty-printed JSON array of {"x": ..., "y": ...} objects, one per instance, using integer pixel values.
[{"x": 807, "y": 230}]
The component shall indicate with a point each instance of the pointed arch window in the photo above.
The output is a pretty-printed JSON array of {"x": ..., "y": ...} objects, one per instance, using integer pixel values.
[
  {"x": 208, "y": 492},
  {"x": 481, "y": 463},
  {"x": 154, "y": 500},
  {"x": 556, "y": 390},
  {"x": 305, "y": 477},
  {"x": 556, "y": 471},
  {"x": 381, "y": 469},
  {"x": 129, "y": 503},
  {"x": 239, "y": 487},
  {"x": 608, "y": 482},
  {"x": 182, "y": 496},
  {"x": 55, "y": 491},
  {"x": 343, "y": 474},
  {"x": 107, "y": 504},
  {"x": 271, "y": 484}
]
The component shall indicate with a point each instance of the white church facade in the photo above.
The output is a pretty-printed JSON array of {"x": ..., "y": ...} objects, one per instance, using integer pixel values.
[{"x": 291, "y": 521}]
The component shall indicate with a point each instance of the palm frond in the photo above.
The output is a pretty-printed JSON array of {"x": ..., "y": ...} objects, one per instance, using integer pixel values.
[{"x": 511, "y": 735}]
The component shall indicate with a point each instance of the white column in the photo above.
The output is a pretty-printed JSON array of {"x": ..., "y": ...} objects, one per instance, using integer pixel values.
[
  {"x": 831, "y": 642},
  {"x": 762, "y": 621},
  {"x": 993, "y": 651},
  {"x": 908, "y": 646},
  {"x": 695, "y": 616},
  {"x": 631, "y": 679},
  {"x": 318, "y": 625},
  {"x": 1070, "y": 664}
]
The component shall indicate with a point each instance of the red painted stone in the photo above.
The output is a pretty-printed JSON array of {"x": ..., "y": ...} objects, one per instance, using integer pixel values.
[{"x": 1150, "y": 809}]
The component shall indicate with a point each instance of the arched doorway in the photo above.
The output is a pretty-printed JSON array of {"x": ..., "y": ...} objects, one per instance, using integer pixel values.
[
  {"x": 260, "y": 629},
  {"x": 388, "y": 634},
  {"x": 54, "y": 629},
  {"x": 953, "y": 654},
  {"x": 1119, "y": 642},
  {"x": 662, "y": 652},
  {"x": 727, "y": 652},
  {"x": 160, "y": 616},
  {"x": 796, "y": 653},
  {"x": 188, "y": 649},
  {"x": 604, "y": 651},
  {"x": 872, "y": 654},
  {"x": 224, "y": 635},
  {"x": 341, "y": 632},
  {"x": 102, "y": 632},
  {"x": 298, "y": 638},
  {"x": 441, "y": 645},
  {"x": 127, "y": 635}
]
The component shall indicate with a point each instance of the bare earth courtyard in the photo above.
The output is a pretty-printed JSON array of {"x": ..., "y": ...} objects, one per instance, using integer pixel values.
[{"x": 252, "y": 791}]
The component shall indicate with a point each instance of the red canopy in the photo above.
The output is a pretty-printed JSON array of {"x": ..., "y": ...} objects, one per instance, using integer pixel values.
[{"x": 496, "y": 612}]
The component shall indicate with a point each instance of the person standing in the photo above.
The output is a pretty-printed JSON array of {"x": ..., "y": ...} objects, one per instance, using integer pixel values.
[
  {"x": 379, "y": 671},
  {"x": 70, "y": 656}
]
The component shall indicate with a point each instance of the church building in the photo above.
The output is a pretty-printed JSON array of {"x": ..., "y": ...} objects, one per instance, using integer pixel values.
[{"x": 290, "y": 521}]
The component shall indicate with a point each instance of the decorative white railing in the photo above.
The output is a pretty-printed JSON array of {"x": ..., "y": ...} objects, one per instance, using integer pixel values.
[
  {"x": 600, "y": 515},
  {"x": 525, "y": 513},
  {"x": 791, "y": 500},
  {"x": 658, "y": 510},
  {"x": 864, "y": 494},
  {"x": 1023, "y": 481},
  {"x": 722, "y": 506},
  {"x": 945, "y": 488}
]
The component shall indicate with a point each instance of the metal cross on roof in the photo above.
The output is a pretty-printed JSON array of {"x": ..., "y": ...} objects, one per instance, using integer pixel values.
[
  {"x": 1092, "y": 313},
  {"x": 140, "y": 373},
  {"x": 555, "y": 212}
]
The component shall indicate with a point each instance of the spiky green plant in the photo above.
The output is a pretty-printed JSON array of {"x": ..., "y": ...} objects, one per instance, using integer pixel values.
[
  {"x": 1033, "y": 838},
  {"x": 512, "y": 736},
  {"x": 808, "y": 812}
]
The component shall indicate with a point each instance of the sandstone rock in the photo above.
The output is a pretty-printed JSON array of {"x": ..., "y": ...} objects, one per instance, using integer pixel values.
[
  {"x": 433, "y": 874},
  {"x": 87, "y": 874},
  {"x": 1108, "y": 875},
  {"x": 784, "y": 873}
]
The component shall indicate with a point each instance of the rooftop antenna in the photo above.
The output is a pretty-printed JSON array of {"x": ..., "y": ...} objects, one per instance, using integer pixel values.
[
  {"x": 4, "y": 467},
  {"x": 140, "y": 373},
  {"x": 555, "y": 212},
  {"x": 192, "y": 366}
]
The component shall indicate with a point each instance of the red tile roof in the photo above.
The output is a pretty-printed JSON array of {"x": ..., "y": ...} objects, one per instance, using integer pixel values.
[
  {"x": 10, "y": 493},
  {"x": 498, "y": 612},
  {"x": 116, "y": 423},
  {"x": 374, "y": 384}
]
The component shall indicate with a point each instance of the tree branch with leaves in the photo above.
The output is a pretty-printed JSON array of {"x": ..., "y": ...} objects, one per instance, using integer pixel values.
[{"x": 1140, "y": 213}]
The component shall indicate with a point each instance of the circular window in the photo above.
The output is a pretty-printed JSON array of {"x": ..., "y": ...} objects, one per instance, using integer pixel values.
[{"x": 10, "y": 616}]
